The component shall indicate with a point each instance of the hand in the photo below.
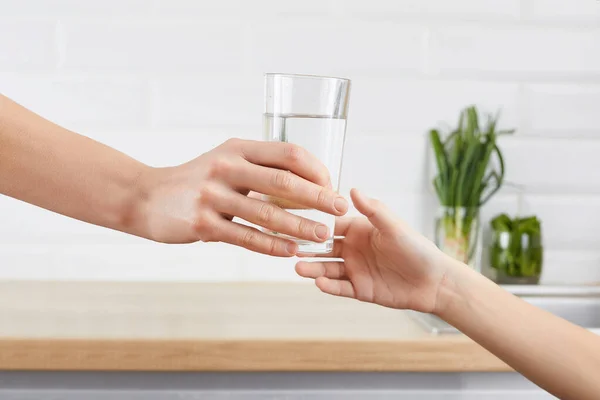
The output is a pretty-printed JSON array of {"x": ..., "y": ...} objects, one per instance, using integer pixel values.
[
  {"x": 384, "y": 261},
  {"x": 198, "y": 200}
]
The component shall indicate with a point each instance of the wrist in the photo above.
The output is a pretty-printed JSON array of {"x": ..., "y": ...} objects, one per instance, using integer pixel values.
[
  {"x": 135, "y": 213},
  {"x": 450, "y": 295}
]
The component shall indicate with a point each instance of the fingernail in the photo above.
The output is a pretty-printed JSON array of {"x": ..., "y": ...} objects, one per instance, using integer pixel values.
[
  {"x": 291, "y": 248},
  {"x": 321, "y": 231},
  {"x": 340, "y": 204}
]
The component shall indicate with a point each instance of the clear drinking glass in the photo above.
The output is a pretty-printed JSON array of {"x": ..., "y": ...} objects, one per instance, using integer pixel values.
[{"x": 309, "y": 111}]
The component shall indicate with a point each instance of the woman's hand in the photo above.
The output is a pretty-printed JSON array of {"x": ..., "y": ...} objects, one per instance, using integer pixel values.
[
  {"x": 198, "y": 200},
  {"x": 384, "y": 261}
]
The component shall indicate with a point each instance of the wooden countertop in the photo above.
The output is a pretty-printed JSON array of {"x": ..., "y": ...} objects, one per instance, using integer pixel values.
[{"x": 216, "y": 327}]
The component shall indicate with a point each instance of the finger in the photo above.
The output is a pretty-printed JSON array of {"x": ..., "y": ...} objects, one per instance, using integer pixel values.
[
  {"x": 271, "y": 217},
  {"x": 254, "y": 240},
  {"x": 336, "y": 287},
  {"x": 290, "y": 191},
  {"x": 374, "y": 210},
  {"x": 332, "y": 269},
  {"x": 254, "y": 195},
  {"x": 342, "y": 225},
  {"x": 286, "y": 156},
  {"x": 337, "y": 252}
]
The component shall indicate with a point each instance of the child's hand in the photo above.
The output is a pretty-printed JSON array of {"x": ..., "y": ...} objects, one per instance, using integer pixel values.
[{"x": 384, "y": 261}]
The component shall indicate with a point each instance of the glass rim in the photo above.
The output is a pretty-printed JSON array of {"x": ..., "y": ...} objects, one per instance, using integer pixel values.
[{"x": 288, "y": 75}]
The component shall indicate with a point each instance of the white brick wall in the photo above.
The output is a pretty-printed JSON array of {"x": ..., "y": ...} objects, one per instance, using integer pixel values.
[
  {"x": 578, "y": 104},
  {"x": 577, "y": 11},
  {"x": 443, "y": 9},
  {"x": 166, "y": 80},
  {"x": 36, "y": 47},
  {"x": 513, "y": 50},
  {"x": 148, "y": 46}
]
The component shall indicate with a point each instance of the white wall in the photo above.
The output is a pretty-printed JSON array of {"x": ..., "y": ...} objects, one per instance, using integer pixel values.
[{"x": 166, "y": 80}]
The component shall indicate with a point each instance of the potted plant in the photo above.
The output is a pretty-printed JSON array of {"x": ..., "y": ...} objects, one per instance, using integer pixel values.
[
  {"x": 470, "y": 170},
  {"x": 516, "y": 253}
]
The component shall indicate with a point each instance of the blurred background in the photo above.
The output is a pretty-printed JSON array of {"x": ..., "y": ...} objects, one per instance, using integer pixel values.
[{"x": 167, "y": 80}]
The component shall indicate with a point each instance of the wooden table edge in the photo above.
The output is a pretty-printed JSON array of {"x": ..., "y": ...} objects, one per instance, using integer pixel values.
[{"x": 247, "y": 355}]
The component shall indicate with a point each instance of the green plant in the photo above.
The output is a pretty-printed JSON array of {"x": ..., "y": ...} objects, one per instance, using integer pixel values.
[
  {"x": 517, "y": 248},
  {"x": 470, "y": 170}
]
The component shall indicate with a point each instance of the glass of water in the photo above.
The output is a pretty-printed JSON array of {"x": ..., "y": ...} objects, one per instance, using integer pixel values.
[{"x": 309, "y": 111}]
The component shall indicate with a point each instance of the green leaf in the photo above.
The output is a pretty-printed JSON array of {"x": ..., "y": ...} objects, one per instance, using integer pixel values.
[
  {"x": 501, "y": 223},
  {"x": 441, "y": 161},
  {"x": 466, "y": 160}
]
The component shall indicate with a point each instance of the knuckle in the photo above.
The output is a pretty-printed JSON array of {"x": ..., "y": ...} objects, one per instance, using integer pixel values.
[
  {"x": 293, "y": 152},
  {"x": 204, "y": 228},
  {"x": 236, "y": 146},
  {"x": 249, "y": 239},
  {"x": 266, "y": 212},
  {"x": 220, "y": 167},
  {"x": 322, "y": 197},
  {"x": 272, "y": 246},
  {"x": 233, "y": 142},
  {"x": 208, "y": 194},
  {"x": 283, "y": 180},
  {"x": 304, "y": 227}
]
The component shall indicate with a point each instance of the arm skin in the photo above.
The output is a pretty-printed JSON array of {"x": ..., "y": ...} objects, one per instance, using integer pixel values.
[
  {"x": 558, "y": 356},
  {"x": 46, "y": 165},
  {"x": 388, "y": 263}
]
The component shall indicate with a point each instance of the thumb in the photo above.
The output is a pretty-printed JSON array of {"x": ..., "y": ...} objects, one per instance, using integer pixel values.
[{"x": 379, "y": 215}]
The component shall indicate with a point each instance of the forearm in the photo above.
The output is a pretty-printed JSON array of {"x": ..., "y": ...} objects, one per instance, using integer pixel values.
[
  {"x": 558, "y": 356},
  {"x": 59, "y": 170}
]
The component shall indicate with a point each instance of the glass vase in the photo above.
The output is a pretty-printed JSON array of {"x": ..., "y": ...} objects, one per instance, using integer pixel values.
[
  {"x": 458, "y": 234},
  {"x": 517, "y": 257}
]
